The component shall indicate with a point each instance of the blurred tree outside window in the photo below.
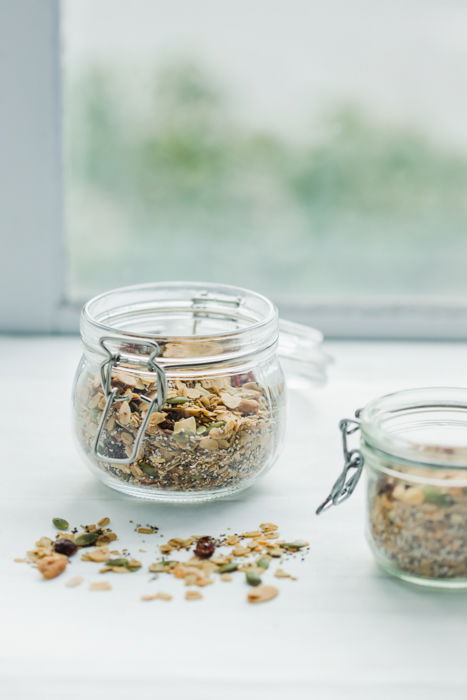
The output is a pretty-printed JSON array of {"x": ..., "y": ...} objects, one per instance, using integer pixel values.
[{"x": 336, "y": 171}]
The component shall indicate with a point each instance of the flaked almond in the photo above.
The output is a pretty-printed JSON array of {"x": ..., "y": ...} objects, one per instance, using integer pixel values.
[
  {"x": 261, "y": 594},
  {"x": 185, "y": 425},
  {"x": 75, "y": 581},
  {"x": 157, "y": 596},
  {"x": 100, "y": 586},
  {"x": 124, "y": 413},
  {"x": 230, "y": 400},
  {"x": 193, "y": 595},
  {"x": 248, "y": 406}
]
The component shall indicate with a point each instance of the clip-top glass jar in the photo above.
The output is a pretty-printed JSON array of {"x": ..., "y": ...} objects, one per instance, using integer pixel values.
[
  {"x": 179, "y": 395},
  {"x": 414, "y": 447}
]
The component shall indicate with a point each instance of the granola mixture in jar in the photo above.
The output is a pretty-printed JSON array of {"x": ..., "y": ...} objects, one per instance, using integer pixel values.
[
  {"x": 418, "y": 528},
  {"x": 211, "y": 433}
]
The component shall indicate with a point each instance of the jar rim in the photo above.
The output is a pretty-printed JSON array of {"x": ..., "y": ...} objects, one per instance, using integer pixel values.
[
  {"x": 424, "y": 426},
  {"x": 134, "y": 312}
]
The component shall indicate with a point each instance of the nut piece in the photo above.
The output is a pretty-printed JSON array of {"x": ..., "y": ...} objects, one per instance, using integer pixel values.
[
  {"x": 75, "y": 581},
  {"x": 100, "y": 586},
  {"x": 262, "y": 594},
  {"x": 52, "y": 565},
  {"x": 193, "y": 595},
  {"x": 157, "y": 596},
  {"x": 413, "y": 495}
]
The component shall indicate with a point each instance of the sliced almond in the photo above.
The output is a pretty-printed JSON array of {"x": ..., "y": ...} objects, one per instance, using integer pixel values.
[
  {"x": 157, "y": 596},
  {"x": 75, "y": 581},
  {"x": 262, "y": 594},
  {"x": 100, "y": 586}
]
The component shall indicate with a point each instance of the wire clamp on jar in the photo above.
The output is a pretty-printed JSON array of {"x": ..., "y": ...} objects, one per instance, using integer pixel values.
[
  {"x": 347, "y": 480},
  {"x": 112, "y": 396}
]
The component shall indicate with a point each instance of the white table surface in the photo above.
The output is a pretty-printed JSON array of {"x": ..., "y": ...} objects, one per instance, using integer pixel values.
[{"x": 343, "y": 630}]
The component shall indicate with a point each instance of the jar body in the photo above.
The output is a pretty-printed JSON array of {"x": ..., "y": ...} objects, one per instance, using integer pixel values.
[
  {"x": 217, "y": 426},
  {"x": 417, "y": 496}
]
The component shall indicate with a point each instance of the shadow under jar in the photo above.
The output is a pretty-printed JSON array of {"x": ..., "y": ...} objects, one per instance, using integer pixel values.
[
  {"x": 179, "y": 395},
  {"x": 413, "y": 446}
]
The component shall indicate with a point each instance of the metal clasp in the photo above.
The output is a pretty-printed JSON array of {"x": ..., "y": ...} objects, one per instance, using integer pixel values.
[
  {"x": 199, "y": 305},
  {"x": 347, "y": 480},
  {"x": 112, "y": 396}
]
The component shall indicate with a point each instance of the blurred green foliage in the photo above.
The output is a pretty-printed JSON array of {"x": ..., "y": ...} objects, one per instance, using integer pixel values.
[{"x": 172, "y": 187}]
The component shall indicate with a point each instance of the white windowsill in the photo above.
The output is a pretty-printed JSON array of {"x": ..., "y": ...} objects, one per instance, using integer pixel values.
[{"x": 343, "y": 630}]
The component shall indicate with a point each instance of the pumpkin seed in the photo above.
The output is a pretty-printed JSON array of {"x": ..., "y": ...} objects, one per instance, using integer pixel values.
[
  {"x": 263, "y": 562},
  {"x": 121, "y": 561},
  {"x": 437, "y": 497},
  {"x": 252, "y": 578},
  {"x": 216, "y": 424},
  {"x": 61, "y": 524},
  {"x": 226, "y": 568},
  {"x": 177, "y": 400},
  {"x": 86, "y": 539},
  {"x": 148, "y": 469}
]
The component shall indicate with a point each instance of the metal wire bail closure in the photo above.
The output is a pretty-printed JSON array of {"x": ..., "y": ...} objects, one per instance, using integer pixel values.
[
  {"x": 347, "y": 480},
  {"x": 112, "y": 396}
]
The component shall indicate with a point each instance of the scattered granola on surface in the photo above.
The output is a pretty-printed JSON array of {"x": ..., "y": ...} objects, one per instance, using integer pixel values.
[
  {"x": 211, "y": 433},
  {"x": 210, "y": 558},
  {"x": 50, "y": 557}
]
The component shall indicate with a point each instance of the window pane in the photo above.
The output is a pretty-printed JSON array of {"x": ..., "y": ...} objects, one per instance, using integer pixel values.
[{"x": 305, "y": 148}]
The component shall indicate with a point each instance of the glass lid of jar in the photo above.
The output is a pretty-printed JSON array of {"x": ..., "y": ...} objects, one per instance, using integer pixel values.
[
  {"x": 203, "y": 322},
  {"x": 427, "y": 426}
]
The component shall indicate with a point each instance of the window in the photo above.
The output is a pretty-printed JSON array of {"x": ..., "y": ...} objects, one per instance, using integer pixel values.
[{"x": 310, "y": 149}]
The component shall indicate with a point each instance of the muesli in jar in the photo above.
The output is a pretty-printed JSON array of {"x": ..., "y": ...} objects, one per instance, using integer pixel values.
[
  {"x": 419, "y": 528},
  {"x": 210, "y": 433}
]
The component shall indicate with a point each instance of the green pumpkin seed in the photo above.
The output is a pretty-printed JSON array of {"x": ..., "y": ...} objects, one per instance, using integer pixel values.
[
  {"x": 216, "y": 424},
  {"x": 121, "y": 561},
  {"x": 252, "y": 578},
  {"x": 86, "y": 539},
  {"x": 201, "y": 430},
  {"x": 437, "y": 497},
  {"x": 177, "y": 400},
  {"x": 263, "y": 562},
  {"x": 61, "y": 524},
  {"x": 227, "y": 568},
  {"x": 148, "y": 469}
]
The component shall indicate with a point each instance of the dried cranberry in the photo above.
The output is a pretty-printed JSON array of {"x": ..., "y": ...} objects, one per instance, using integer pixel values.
[
  {"x": 64, "y": 546},
  {"x": 205, "y": 547}
]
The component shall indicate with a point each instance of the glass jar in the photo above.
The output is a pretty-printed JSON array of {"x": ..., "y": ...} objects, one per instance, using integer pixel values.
[
  {"x": 414, "y": 447},
  {"x": 179, "y": 394}
]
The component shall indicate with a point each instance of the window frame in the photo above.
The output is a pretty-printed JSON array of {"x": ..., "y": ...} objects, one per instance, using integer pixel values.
[{"x": 33, "y": 231}]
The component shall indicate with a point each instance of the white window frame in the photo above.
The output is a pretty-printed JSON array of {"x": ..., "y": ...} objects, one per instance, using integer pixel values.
[{"x": 33, "y": 278}]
